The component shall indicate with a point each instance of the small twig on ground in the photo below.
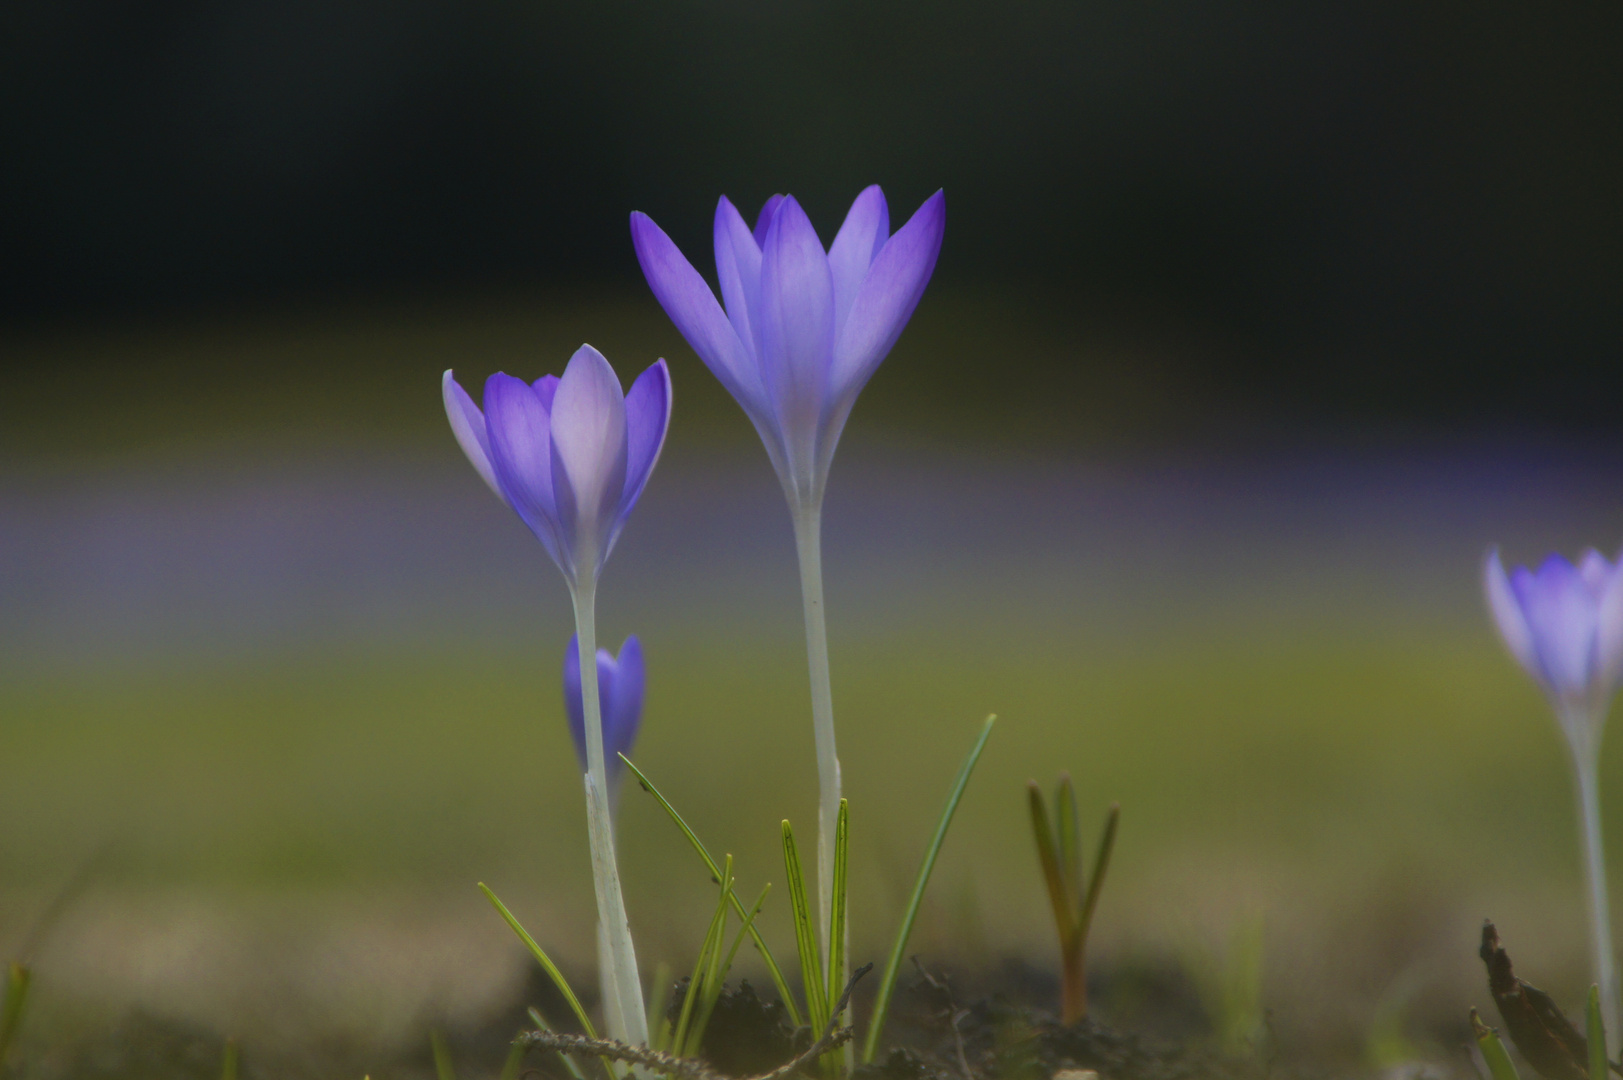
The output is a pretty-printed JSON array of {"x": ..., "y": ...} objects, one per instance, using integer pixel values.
[
  {"x": 690, "y": 1068},
  {"x": 954, "y": 1014}
]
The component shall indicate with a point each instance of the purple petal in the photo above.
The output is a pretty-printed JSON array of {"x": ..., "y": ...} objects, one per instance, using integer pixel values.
[
  {"x": 866, "y": 228},
  {"x": 693, "y": 308},
  {"x": 764, "y": 220},
  {"x": 1609, "y": 631},
  {"x": 546, "y": 388},
  {"x": 1507, "y": 613},
  {"x": 887, "y": 297},
  {"x": 468, "y": 425},
  {"x": 738, "y": 269},
  {"x": 1560, "y": 613},
  {"x": 797, "y": 330},
  {"x": 588, "y": 452},
  {"x": 521, "y": 457},
  {"x": 648, "y": 418},
  {"x": 621, "y": 725}
]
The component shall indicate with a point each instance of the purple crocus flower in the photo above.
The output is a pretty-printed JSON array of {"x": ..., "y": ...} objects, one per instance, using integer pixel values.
[
  {"x": 570, "y": 455},
  {"x": 1564, "y": 624},
  {"x": 803, "y": 328},
  {"x": 619, "y": 687}
]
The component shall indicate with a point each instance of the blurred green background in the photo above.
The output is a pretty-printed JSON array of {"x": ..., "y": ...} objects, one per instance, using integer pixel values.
[{"x": 1254, "y": 327}]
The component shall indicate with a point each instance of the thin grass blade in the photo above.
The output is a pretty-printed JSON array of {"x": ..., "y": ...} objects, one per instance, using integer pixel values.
[
  {"x": 545, "y": 961},
  {"x": 718, "y": 979},
  {"x": 893, "y": 966},
  {"x": 228, "y": 1060},
  {"x": 771, "y": 962},
  {"x": 541, "y": 1024},
  {"x": 18, "y": 978},
  {"x": 811, "y": 969},
  {"x": 836, "y": 923},
  {"x": 442, "y": 1056},
  {"x": 701, "y": 967},
  {"x": 1068, "y": 839},
  {"x": 1048, "y": 859},
  {"x": 513, "y": 1063},
  {"x": 1500, "y": 1067},
  {"x": 1595, "y": 1032},
  {"x": 1101, "y": 863},
  {"x": 659, "y": 1004}
]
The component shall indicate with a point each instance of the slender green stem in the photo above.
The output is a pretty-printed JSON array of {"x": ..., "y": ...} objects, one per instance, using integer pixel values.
[
  {"x": 622, "y": 990},
  {"x": 808, "y": 515},
  {"x": 1587, "y": 774}
]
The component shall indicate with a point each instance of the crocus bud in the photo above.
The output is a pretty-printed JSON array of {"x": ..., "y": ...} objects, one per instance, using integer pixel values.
[{"x": 619, "y": 690}]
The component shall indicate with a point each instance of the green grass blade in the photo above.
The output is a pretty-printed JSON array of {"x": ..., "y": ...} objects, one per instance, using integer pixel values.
[
  {"x": 771, "y": 962},
  {"x": 545, "y": 961},
  {"x": 1595, "y": 1032},
  {"x": 1068, "y": 838},
  {"x": 569, "y": 1063},
  {"x": 836, "y": 923},
  {"x": 685, "y": 1039},
  {"x": 893, "y": 966},
  {"x": 228, "y": 1060},
  {"x": 442, "y": 1056},
  {"x": 1048, "y": 859},
  {"x": 718, "y": 978},
  {"x": 18, "y": 978},
  {"x": 659, "y": 1004},
  {"x": 513, "y": 1063},
  {"x": 1101, "y": 863},
  {"x": 1500, "y": 1067},
  {"x": 811, "y": 969}
]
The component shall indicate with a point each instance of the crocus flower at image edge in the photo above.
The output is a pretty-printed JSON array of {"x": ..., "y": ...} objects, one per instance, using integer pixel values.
[
  {"x": 1564, "y": 625},
  {"x": 803, "y": 328}
]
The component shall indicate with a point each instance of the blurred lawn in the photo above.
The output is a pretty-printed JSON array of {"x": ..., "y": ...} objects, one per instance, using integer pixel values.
[{"x": 1343, "y": 753}]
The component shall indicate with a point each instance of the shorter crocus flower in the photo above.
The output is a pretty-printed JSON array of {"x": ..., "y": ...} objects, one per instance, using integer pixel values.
[
  {"x": 1564, "y": 625},
  {"x": 619, "y": 687},
  {"x": 571, "y": 455}
]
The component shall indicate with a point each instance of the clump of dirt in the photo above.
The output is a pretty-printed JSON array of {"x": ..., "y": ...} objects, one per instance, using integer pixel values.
[{"x": 747, "y": 1034}]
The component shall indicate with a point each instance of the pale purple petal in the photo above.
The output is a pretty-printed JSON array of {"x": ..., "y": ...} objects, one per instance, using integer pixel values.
[
  {"x": 1609, "y": 632},
  {"x": 521, "y": 457},
  {"x": 797, "y": 328},
  {"x": 886, "y": 299},
  {"x": 588, "y": 452},
  {"x": 648, "y": 418},
  {"x": 1507, "y": 614},
  {"x": 1560, "y": 613},
  {"x": 738, "y": 269},
  {"x": 763, "y": 221},
  {"x": 693, "y": 308},
  {"x": 468, "y": 425},
  {"x": 1595, "y": 570},
  {"x": 866, "y": 228}
]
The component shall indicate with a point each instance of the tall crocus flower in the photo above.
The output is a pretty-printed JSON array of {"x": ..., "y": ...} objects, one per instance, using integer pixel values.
[
  {"x": 571, "y": 455},
  {"x": 1564, "y": 624},
  {"x": 802, "y": 331},
  {"x": 620, "y": 683}
]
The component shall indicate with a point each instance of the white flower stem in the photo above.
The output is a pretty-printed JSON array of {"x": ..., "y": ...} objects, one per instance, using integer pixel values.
[
  {"x": 621, "y": 988},
  {"x": 1587, "y": 773},
  {"x": 808, "y": 515}
]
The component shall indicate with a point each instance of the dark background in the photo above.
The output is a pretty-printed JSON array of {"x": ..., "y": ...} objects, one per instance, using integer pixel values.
[{"x": 1359, "y": 210}]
